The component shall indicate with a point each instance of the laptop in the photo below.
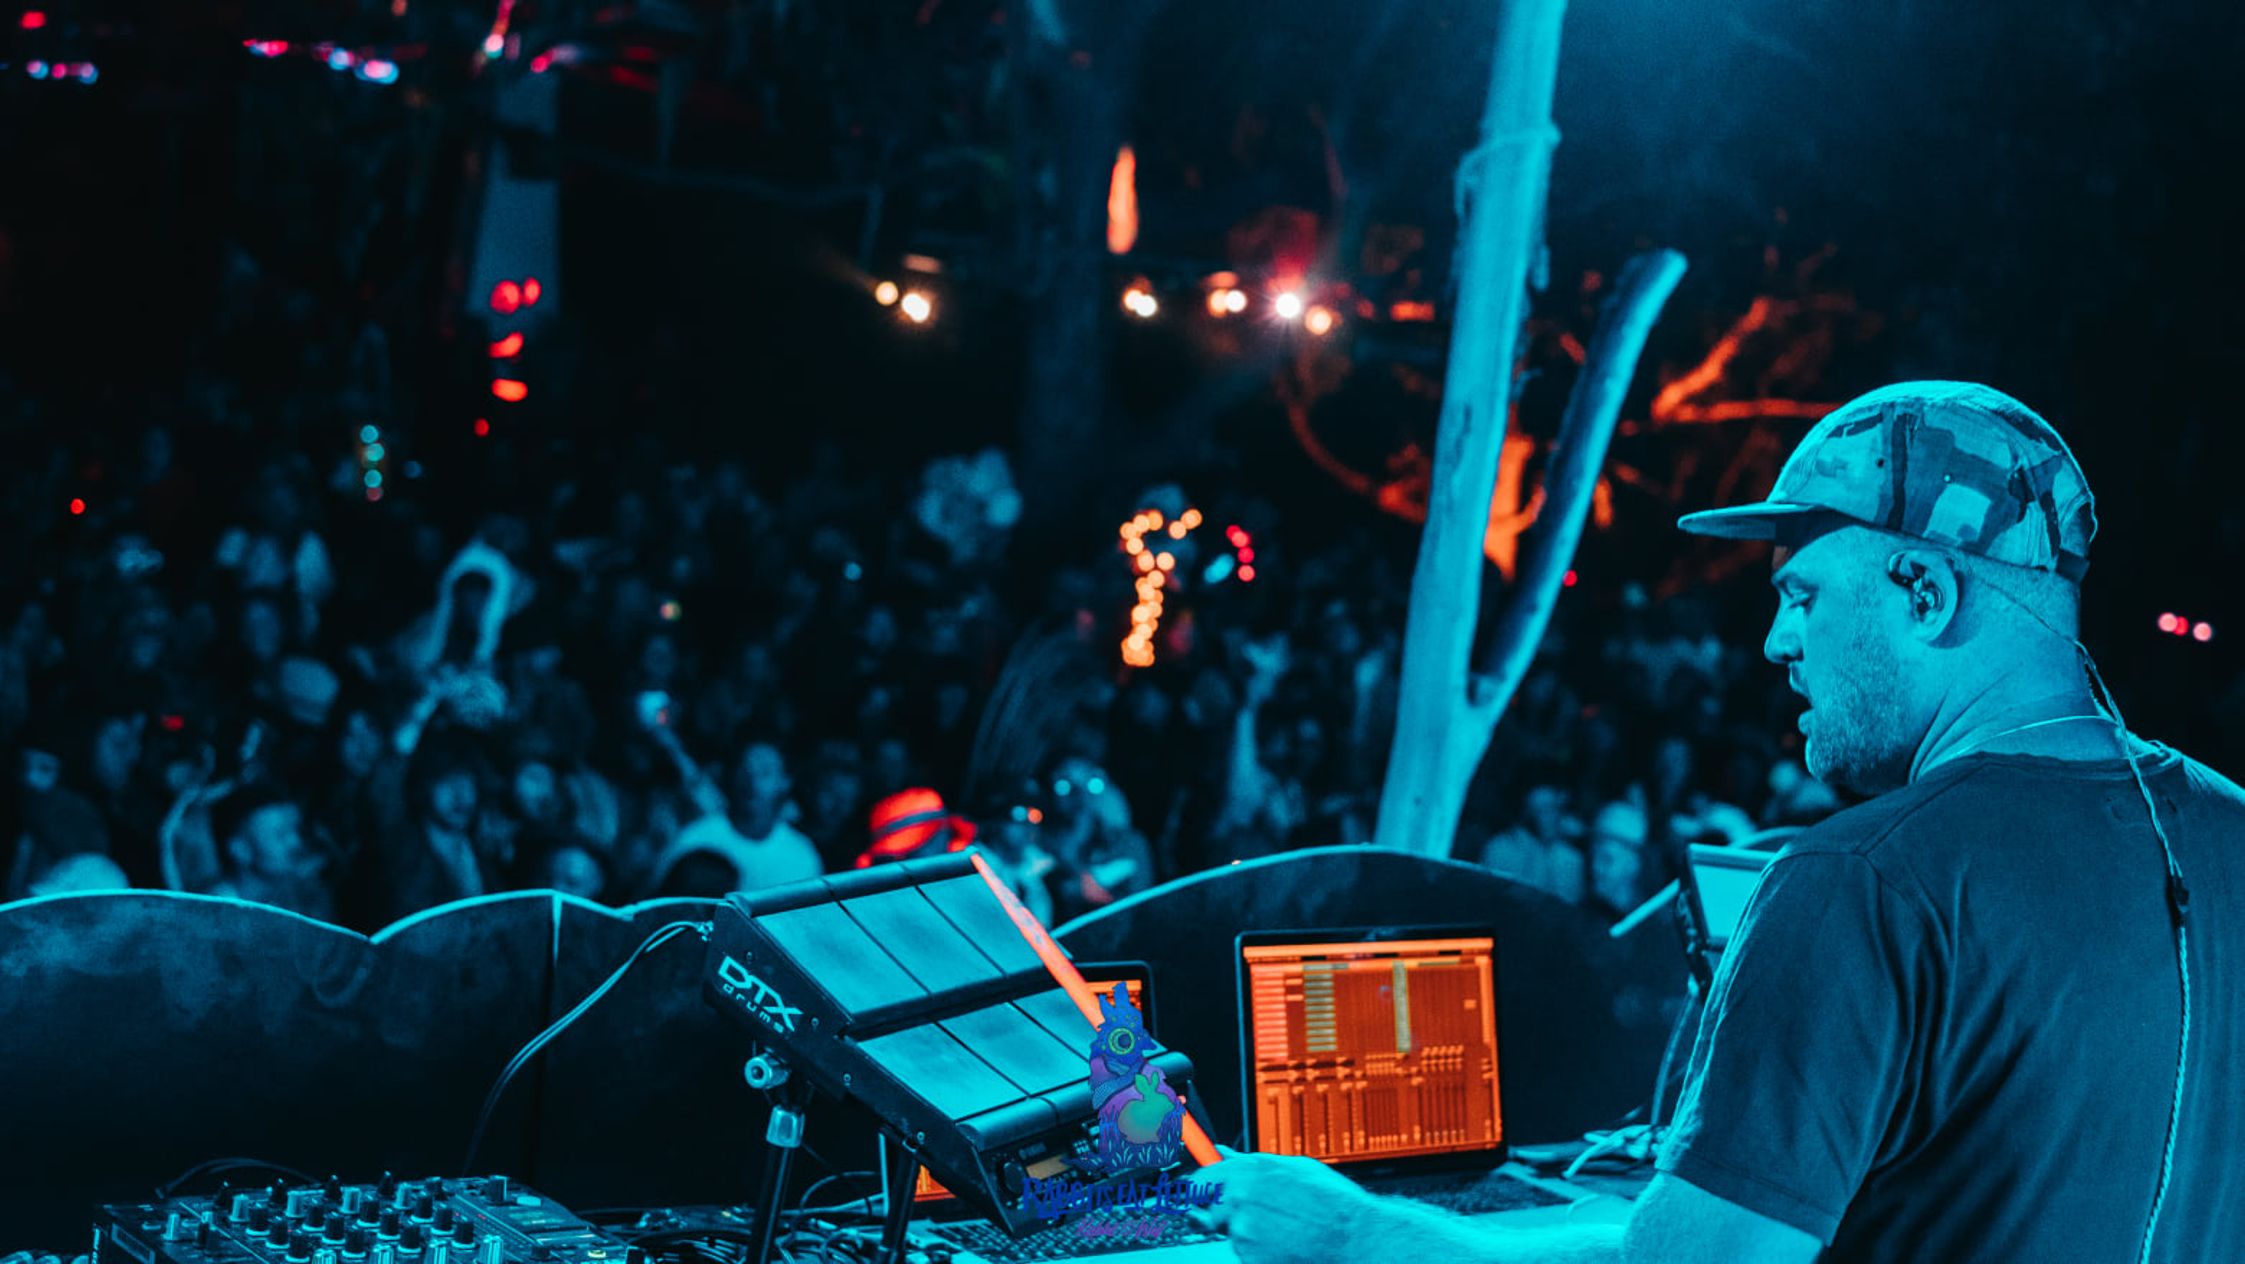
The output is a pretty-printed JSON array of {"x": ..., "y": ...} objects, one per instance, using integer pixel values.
[
  {"x": 1727, "y": 877},
  {"x": 1375, "y": 1049}
]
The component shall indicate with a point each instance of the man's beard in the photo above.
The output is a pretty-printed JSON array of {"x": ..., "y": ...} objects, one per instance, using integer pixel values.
[{"x": 1855, "y": 729}]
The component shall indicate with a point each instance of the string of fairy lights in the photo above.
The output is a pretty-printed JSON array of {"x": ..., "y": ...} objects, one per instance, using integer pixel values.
[
  {"x": 1151, "y": 542},
  {"x": 1223, "y": 295}
]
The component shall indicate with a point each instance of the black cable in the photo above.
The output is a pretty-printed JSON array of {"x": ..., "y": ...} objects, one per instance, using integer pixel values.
[
  {"x": 211, "y": 1166},
  {"x": 521, "y": 1059}
]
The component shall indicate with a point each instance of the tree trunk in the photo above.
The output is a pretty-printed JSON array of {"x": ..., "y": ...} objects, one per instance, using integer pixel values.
[
  {"x": 1505, "y": 180},
  {"x": 1082, "y": 115}
]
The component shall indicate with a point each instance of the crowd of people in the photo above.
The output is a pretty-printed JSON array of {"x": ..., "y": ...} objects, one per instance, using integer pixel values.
[{"x": 240, "y": 674}]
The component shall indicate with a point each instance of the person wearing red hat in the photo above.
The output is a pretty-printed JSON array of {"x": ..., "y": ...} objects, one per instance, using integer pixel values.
[{"x": 914, "y": 823}]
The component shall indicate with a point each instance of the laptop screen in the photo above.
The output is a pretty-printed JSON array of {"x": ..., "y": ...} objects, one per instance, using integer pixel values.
[
  {"x": 1137, "y": 980},
  {"x": 1361, "y": 1047}
]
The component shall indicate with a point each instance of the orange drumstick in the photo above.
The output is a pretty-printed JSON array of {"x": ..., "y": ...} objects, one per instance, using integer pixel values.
[{"x": 1064, "y": 973}]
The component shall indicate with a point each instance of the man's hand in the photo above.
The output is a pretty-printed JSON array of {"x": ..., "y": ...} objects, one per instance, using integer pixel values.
[{"x": 1286, "y": 1209}]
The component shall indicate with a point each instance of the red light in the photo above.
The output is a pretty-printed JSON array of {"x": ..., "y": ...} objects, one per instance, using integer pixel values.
[
  {"x": 373, "y": 495},
  {"x": 506, "y": 296},
  {"x": 530, "y": 291},
  {"x": 77, "y": 506},
  {"x": 2203, "y": 632},
  {"x": 173, "y": 723},
  {"x": 33, "y": 19},
  {"x": 483, "y": 428},
  {"x": 1247, "y": 574},
  {"x": 510, "y": 390},
  {"x": 2166, "y": 623},
  {"x": 1569, "y": 581},
  {"x": 539, "y": 63},
  {"x": 507, "y": 346},
  {"x": 1246, "y": 556}
]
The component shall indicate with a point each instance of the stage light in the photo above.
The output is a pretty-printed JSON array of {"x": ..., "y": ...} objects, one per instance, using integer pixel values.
[
  {"x": 1411, "y": 311},
  {"x": 373, "y": 478},
  {"x": 1288, "y": 305},
  {"x": 32, "y": 20},
  {"x": 77, "y": 507},
  {"x": 36, "y": 69},
  {"x": 1191, "y": 519},
  {"x": 494, "y": 44},
  {"x": 1569, "y": 581},
  {"x": 1166, "y": 561},
  {"x": 340, "y": 59},
  {"x": 1219, "y": 302},
  {"x": 1178, "y": 529},
  {"x": 506, "y": 298},
  {"x": 2167, "y": 623},
  {"x": 376, "y": 70},
  {"x": 508, "y": 346},
  {"x": 1235, "y": 302},
  {"x": 2202, "y": 632},
  {"x": 1247, "y": 574},
  {"x": 531, "y": 291},
  {"x": 369, "y": 434},
  {"x": 885, "y": 293},
  {"x": 1319, "y": 321},
  {"x": 1140, "y": 302},
  {"x": 87, "y": 72},
  {"x": 508, "y": 389},
  {"x": 482, "y": 428},
  {"x": 375, "y": 452},
  {"x": 917, "y": 307}
]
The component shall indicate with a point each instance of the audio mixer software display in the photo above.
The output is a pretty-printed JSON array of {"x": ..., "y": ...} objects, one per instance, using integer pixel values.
[{"x": 1373, "y": 1050}]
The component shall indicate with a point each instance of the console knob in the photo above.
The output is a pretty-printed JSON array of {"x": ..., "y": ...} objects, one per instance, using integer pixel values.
[
  {"x": 260, "y": 1216},
  {"x": 389, "y": 1223},
  {"x": 424, "y": 1206},
  {"x": 410, "y": 1240},
  {"x": 338, "y": 1226},
  {"x": 352, "y": 1197},
  {"x": 464, "y": 1234},
  {"x": 356, "y": 1242},
  {"x": 495, "y": 1189},
  {"x": 442, "y": 1222},
  {"x": 278, "y": 1235},
  {"x": 300, "y": 1247},
  {"x": 387, "y": 1186}
]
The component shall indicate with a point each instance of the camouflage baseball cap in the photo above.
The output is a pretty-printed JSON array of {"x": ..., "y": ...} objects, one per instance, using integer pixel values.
[{"x": 1955, "y": 463}]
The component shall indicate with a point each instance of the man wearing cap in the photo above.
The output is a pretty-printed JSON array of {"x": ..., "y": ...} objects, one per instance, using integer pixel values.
[{"x": 1953, "y": 1023}]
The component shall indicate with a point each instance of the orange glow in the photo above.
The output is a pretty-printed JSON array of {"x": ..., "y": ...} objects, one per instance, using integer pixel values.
[
  {"x": 886, "y": 293},
  {"x": 1224, "y": 280},
  {"x": 1178, "y": 529},
  {"x": 1411, "y": 311},
  {"x": 1191, "y": 519},
  {"x": 1122, "y": 203},
  {"x": 1139, "y": 301},
  {"x": 530, "y": 291},
  {"x": 1219, "y": 302},
  {"x": 506, "y": 296},
  {"x": 1166, "y": 561},
  {"x": 510, "y": 390},
  {"x": 506, "y": 347},
  {"x": 917, "y": 307},
  {"x": 1288, "y": 305},
  {"x": 2203, "y": 632},
  {"x": 1319, "y": 321},
  {"x": 1247, "y": 574}
]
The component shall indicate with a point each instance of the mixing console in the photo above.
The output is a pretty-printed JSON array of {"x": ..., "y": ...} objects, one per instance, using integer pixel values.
[{"x": 481, "y": 1220}]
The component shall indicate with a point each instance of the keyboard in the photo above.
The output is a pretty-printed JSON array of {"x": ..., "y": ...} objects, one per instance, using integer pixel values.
[
  {"x": 1469, "y": 1193},
  {"x": 1093, "y": 1234}
]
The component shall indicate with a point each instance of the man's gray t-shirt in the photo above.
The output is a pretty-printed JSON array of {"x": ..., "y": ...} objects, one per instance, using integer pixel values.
[{"x": 1947, "y": 1027}]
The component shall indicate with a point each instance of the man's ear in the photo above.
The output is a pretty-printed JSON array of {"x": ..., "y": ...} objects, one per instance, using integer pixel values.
[{"x": 1930, "y": 584}]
